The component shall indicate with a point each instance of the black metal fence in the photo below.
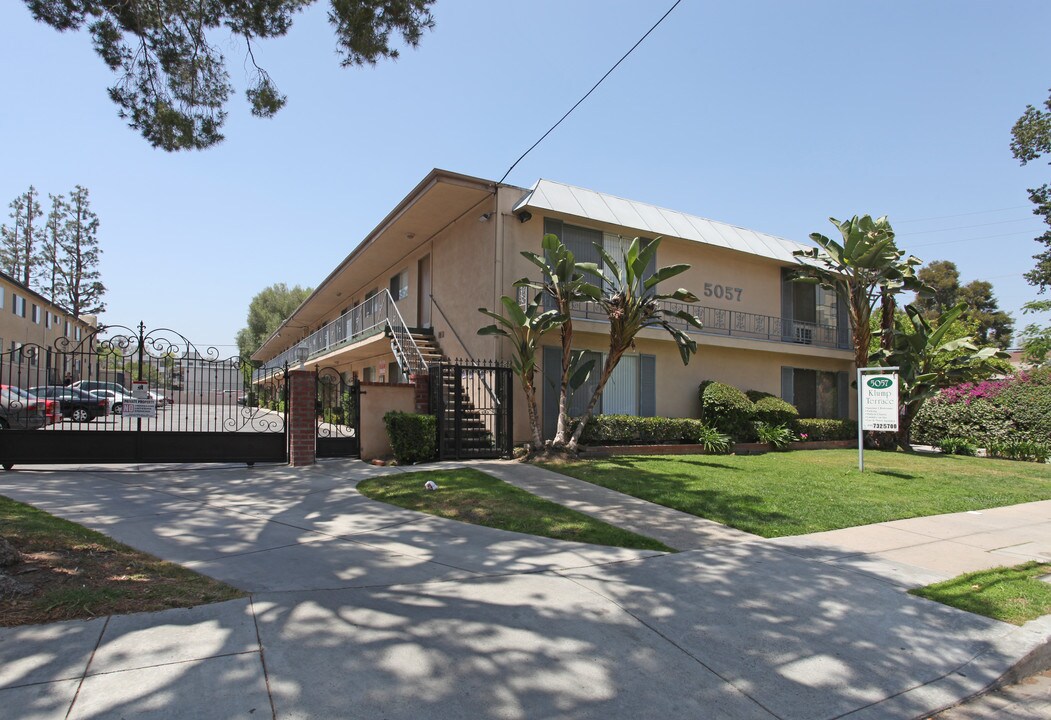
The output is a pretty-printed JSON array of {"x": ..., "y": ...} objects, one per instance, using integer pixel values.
[
  {"x": 472, "y": 401},
  {"x": 133, "y": 395},
  {"x": 338, "y": 414}
]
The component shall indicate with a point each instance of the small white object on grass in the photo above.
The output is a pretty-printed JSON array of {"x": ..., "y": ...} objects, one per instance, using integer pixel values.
[{"x": 431, "y": 485}]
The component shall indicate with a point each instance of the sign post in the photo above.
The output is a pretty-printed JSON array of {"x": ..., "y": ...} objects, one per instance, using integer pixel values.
[{"x": 877, "y": 404}]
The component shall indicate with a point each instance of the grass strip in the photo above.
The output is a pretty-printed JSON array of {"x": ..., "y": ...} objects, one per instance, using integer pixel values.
[
  {"x": 77, "y": 573},
  {"x": 1011, "y": 594},
  {"x": 473, "y": 497},
  {"x": 794, "y": 493}
]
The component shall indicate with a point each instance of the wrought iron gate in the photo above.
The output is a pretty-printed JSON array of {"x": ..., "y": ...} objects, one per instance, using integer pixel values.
[
  {"x": 472, "y": 402},
  {"x": 126, "y": 396},
  {"x": 338, "y": 414}
]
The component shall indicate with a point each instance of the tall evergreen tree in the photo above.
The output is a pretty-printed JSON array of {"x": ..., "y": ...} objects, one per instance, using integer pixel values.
[
  {"x": 943, "y": 279},
  {"x": 19, "y": 249},
  {"x": 78, "y": 247},
  {"x": 1030, "y": 139},
  {"x": 994, "y": 326},
  {"x": 49, "y": 280}
]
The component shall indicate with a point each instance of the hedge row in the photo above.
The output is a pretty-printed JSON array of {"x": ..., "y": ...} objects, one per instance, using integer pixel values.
[
  {"x": 1015, "y": 409},
  {"x": 632, "y": 430}
]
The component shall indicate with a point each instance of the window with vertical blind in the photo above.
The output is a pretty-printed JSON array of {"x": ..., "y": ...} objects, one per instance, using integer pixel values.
[
  {"x": 816, "y": 393},
  {"x": 582, "y": 243},
  {"x": 631, "y": 390}
]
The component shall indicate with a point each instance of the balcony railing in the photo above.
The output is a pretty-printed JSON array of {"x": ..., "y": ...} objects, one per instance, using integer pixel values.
[
  {"x": 377, "y": 314},
  {"x": 733, "y": 323}
]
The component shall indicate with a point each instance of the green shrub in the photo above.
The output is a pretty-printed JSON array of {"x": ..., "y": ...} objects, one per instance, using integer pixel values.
[
  {"x": 1025, "y": 450},
  {"x": 775, "y": 411},
  {"x": 979, "y": 420},
  {"x": 817, "y": 429},
  {"x": 757, "y": 395},
  {"x": 728, "y": 410},
  {"x": 413, "y": 438},
  {"x": 957, "y": 446},
  {"x": 779, "y": 437},
  {"x": 713, "y": 441},
  {"x": 633, "y": 430}
]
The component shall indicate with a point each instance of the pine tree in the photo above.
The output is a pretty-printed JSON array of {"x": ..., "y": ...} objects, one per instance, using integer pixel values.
[
  {"x": 49, "y": 280},
  {"x": 78, "y": 247},
  {"x": 18, "y": 253}
]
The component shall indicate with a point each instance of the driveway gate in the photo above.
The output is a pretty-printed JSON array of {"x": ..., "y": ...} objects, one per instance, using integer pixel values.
[
  {"x": 472, "y": 402},
  {"x": 338, "y": 414},
  {"x": 199, "y": 407}
]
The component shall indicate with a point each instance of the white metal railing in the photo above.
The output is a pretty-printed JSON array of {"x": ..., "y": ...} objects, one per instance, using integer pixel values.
[{"x": 376, "y": 314}]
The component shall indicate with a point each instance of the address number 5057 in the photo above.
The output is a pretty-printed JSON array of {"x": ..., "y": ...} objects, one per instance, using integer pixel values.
[{"x": 721, "y": 292}]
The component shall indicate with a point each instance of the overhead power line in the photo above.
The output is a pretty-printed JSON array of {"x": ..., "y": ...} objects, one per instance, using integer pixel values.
[
  {"x": 976, "y": 212},
  {"x": 593, "y": 88},
  {"x": 965, "y": 227},
  {"x": 983, "y": 237}
]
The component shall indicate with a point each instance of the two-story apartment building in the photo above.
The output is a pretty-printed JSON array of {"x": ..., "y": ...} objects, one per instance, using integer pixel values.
[
  {"x": 30, "y": 324},
  {"x": 410, "y": 292}
]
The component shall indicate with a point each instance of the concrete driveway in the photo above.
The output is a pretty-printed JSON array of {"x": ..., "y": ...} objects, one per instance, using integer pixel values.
[{"x": 359, "y": 609}]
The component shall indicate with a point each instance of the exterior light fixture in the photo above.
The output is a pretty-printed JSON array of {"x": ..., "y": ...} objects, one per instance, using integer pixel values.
[
  {"x": 525, "y": 216},
  {"x": 485, "y": 217},
  {"x": 302, "y": 353}
]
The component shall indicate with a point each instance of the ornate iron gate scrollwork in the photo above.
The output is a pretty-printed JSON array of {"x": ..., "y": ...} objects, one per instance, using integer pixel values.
[
  {"x": 199, "y": 406},
  {"x": 338, "y": 414}
]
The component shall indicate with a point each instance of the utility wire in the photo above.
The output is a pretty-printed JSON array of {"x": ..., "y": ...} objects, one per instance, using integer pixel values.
[
  {"x": 594, "y": 87},
  {"x": 965, "y": 227},
  {"x": 977, "y": 212},
  {"x": 983, "y": 237}
]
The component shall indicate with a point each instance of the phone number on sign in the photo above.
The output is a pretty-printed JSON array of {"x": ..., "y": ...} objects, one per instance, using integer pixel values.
[{"x": 881, "y": 426}]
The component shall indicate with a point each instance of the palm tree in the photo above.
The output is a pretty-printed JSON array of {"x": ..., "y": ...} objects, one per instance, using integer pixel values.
[
  {"x": 631, "y": 303},
  {"x": 865, "y": 270},
  {"x": 564, "y": 283},
  {"x": 524, "y": 328}
]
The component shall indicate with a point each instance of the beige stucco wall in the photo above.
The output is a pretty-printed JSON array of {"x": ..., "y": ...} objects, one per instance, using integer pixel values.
[{"x": 376, "y": 400}]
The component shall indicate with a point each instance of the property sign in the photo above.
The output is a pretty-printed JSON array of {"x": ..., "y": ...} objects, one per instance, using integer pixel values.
[
  {"x": 879, "y": 402},
  {"x": 136, "y": 408},
  {"x": 140, "y": 389}
]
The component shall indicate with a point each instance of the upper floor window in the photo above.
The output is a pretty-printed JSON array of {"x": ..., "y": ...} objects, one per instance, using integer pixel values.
[
  {"x": 584, "y": 243},
  {"x": 399, "y": 285},
  {"x": 48, "y": 318},
  {"x": 18, "y": 305},
  {"x": 3, "y": 291},
  {"x": 35, "y": 314},
  {"x": 76, "y": 333},
  {"x": 65, "y": 333}
]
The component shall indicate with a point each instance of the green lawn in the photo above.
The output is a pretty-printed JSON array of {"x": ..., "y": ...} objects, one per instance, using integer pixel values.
[
  {"x": 474, "y": 497},
  {"x": 1012, "y": 594},
  {"x": 801, "y": 492}
]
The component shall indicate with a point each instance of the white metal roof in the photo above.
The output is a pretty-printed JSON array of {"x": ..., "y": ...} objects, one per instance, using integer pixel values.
[{"x": 653, "y": 220}]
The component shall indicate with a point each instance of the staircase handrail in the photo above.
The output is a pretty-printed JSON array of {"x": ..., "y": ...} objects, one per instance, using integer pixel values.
[{"x": 415, "y": 364}]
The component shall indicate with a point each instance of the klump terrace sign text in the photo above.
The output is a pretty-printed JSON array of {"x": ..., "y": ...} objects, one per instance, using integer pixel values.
[{"x": 879, "y": 402}]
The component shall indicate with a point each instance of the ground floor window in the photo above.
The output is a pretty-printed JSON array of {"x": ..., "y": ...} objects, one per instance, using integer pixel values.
[
  {"x": 816, "y": 393},
  {"x": 631, "y": 389}
]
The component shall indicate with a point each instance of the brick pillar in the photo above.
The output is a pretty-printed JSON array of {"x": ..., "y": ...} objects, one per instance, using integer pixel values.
[
  {"x": 302, "y": 417},
  {"x": 423, "y": 393}
]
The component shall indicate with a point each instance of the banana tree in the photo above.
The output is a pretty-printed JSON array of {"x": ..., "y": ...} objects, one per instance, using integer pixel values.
[
  {"x": 927, "y": 362},
  {"x": 565, "y": 281},
  {"x": 524, "y": 328},
  {"x": 632, "y": 303},
  {"x": 866, "y": 269}
]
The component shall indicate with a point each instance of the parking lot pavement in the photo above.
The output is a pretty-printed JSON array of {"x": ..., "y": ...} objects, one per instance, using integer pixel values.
[{"x": 361, "y": 609}]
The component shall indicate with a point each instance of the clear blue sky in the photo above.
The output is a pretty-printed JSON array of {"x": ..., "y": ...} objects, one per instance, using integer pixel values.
[{"x": 770, "y": 115}]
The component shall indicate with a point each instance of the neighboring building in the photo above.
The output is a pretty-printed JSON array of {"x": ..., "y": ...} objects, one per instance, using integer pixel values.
[
  {"x": 30, "y": 325},
  {"x": 410, "y": 292}
]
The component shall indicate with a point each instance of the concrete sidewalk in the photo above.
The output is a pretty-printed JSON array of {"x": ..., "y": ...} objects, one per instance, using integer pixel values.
[{"x": 360, "y": 609}]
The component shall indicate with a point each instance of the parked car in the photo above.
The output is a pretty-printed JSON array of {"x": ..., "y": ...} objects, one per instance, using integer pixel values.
[
  {"x": 114, "y": 399},
  {"x": 21, "y": 411},
  {"x": 92, "y": 385},
  {"x": 74, "y": 404}
]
